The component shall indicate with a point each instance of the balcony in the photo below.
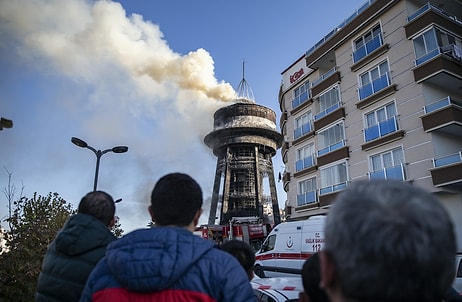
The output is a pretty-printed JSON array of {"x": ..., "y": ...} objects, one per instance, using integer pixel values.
[
  {"x": 306, "y": 198},
  {"x": 428, "y": 15},
  {"x": 303, "y": 130},
  {"x": 302, "y": 98},
  {"x": 333, "y": 188},
  {"x": 304, "y": 163},
  {"x": 331, "y": 148},
  {"x": 447, "y": 172},
  {"x": 328, "y": 116},
  {"x": 345, "y": 30},
  {"x": 374, "y": 86},
  {"x": 328, "y": 79},
  {"x": 367, "y": 48},
  {"x": 333, "y": 153},
  {"x": 381, "y": 129},
  {"x": 441, "y": 67},
  {"x": 327, "y": 111},
  {"x": 395, "y": 172},
  {"x": 444, "y": 116}
]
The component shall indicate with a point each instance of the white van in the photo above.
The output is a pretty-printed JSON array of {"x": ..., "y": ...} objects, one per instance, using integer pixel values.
[{"x": 288, "y": 246}]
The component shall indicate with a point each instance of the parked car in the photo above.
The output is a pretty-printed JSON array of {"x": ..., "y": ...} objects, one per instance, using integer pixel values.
[{"x": 277, "y": 289}]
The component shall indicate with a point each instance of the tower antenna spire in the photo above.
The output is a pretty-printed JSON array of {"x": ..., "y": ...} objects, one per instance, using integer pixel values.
[{"x": 244, "y": 92}]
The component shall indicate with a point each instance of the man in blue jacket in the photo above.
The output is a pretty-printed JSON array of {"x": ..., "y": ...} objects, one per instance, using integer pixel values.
[
  {"x": 77, "y": 248},
  {"x": 168, "y": 262}
]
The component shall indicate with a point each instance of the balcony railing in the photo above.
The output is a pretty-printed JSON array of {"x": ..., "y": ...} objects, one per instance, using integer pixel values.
[
  {"x": 324, "y": 76},
  {"x": 374, "y": 86},
  {"x": 367, "y": 48},
  {"x": 306, "y": 198},
  {"x": 340, "y": 26},
  {"x": 333, "y": 188},
  {"x": 447, "y": 160},
  {"x": 447, "y": 101},
  {"x": 327, "y": 111},
  {"x": 302, "y": 98},
  {"x": 429, "y": 7},
  {"x": 304, "y": 163},
  {"x": 395, "y": 172},
  {"x": 449, "y": 50},
  {"x": 332, "y": 147},
  {"x": 304, "y": 129},
  {"x": 381, "y": 129}
]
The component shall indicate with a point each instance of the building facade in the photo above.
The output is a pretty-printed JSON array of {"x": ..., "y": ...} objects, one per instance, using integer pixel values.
[{"x": 378, "y": 97}]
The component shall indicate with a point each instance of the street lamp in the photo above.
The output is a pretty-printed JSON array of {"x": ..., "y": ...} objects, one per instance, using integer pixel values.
[{"x": 81, "y": 143}]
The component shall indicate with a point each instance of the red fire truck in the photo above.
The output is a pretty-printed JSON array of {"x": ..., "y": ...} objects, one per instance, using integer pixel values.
[{"x": 247, "y": 229}]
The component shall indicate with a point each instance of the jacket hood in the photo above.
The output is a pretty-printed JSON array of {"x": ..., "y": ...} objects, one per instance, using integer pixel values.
[
  {"x": 78, "y": 235},
  {"x": 153, "y": 259}
]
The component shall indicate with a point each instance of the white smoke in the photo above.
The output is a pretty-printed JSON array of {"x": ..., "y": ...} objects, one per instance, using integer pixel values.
[{"x": 128, "y": 85}]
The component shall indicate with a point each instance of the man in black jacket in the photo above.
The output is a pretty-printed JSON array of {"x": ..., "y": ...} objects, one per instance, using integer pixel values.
[{"x": 78, "y": 246}]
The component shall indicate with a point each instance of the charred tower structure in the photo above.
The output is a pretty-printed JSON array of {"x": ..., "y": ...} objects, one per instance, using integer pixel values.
[{"x": 244, "y": 140}]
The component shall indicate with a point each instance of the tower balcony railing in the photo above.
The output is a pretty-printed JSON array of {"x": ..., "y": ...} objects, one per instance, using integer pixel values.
[
  {"x": 306, "y": 198},
  {"x": 381, "y": 129},
  {"x": 333, "y": 188},
  {"x": 395, "y": 172},
  {"x": 304, "y": 163},
  {"x": 324, "y": 76},
  {"x": 327, "y": 111},
  {"x": 447, "y": 160},
  {"x": 302, "y": 98},
  {"x": 367, "y": 48},
  {"x": 304, "y": 129},
  {"x": 450, "y": 50},
  {"x": 445, "y": 102},
  {"x": 374, "y": 86},
  {"x": 332, "y": 147}
]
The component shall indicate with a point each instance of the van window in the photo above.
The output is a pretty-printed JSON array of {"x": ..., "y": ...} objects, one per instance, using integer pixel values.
[{"x": 269, "y": 243}]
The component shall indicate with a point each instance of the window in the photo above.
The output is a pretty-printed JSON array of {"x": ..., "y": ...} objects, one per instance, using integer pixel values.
[
  {"x": 328, "y": 102},
  {"x": 303, "y": 125},
  {"x": 366, "y": 44},
  {"x": 306, "y": 192},
  {"x": 269, "y": 243},
  {"x": 374, "y": 80},
  {"x": 433, "y": 42},
  {"x": 333, "y": 178},
  {"x": 301, "y": 94},
  {"x": 380, "y": 122},
  {"x": 305, "y": 157},
  {"x": 387, "y": 165},
  {"x": 331, "y": 139}
]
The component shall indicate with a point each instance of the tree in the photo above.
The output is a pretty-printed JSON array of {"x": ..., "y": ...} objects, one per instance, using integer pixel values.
[{"x": 33, "y": 224}]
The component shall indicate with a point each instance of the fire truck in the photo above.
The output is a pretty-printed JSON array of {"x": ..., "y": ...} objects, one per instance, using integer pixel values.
[{"x": 248, "y": 229}]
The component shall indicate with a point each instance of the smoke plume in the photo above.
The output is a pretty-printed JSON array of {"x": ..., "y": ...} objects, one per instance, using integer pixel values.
[{"x": 120, "y": 82}]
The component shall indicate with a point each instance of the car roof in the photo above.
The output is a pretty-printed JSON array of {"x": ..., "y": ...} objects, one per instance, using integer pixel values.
[{"x": 278, "y": 288}]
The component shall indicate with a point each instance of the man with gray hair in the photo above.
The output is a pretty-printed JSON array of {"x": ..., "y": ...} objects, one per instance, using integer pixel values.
[{"x": 387, "y": 241}]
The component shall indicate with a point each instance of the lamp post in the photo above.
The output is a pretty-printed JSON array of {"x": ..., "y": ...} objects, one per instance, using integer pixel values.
[{"x": 81, "y": 143}]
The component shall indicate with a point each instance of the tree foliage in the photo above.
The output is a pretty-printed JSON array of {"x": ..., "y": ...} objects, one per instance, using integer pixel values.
[{"x": 33, "y": 223}]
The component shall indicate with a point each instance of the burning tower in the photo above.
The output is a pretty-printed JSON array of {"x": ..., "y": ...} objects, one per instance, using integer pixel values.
[{"x": 244, "y": 139}]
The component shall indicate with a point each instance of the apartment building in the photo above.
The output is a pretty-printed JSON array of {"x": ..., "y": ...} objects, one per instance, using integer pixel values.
[{"x": 380, "y": 96}]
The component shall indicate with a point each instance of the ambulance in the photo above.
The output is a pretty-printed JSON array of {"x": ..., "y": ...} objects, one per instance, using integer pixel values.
[{"x": 287, "y": 247}]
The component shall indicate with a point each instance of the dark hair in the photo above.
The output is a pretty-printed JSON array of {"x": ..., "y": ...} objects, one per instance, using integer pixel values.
[
  {"x": 175, "y": 199},
  {"x": 98, "y": 204},
  {"x": 311, "y": 277},
  {"x": 243, "y": 252}
]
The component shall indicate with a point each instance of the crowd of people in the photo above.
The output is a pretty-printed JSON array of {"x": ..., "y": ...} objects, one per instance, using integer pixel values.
[{"x": 385, "y": 241}]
